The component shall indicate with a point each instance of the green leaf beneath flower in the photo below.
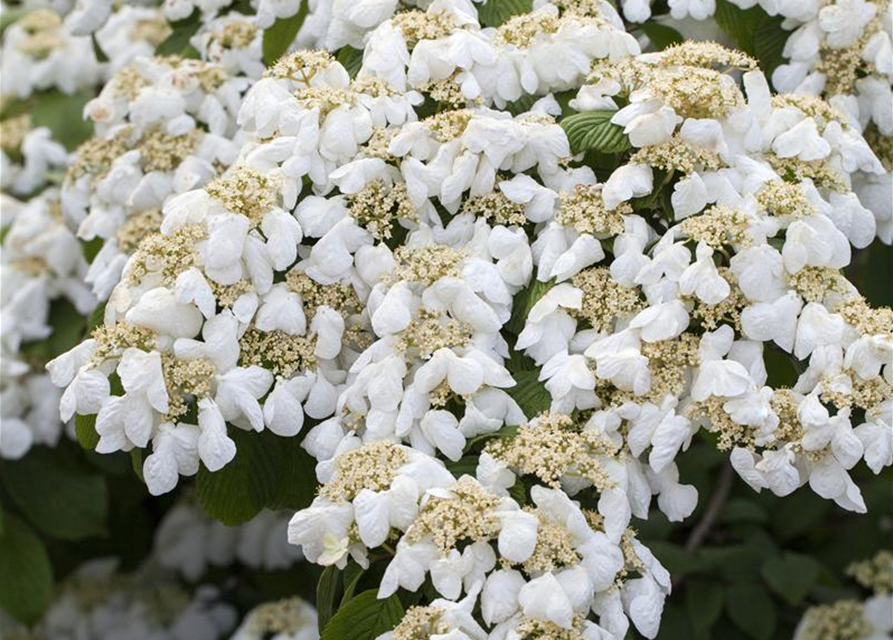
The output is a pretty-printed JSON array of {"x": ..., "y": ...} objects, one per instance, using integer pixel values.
[
  {"x": 524, "y": 301},
  {"x": 268, "y": 472},
  {"x": 59, "y": 496},
  {"x": 365, "y": 617},
  {"x": 26, "y": 576},
  {"x": 755, "y": 32},
  {"x": 494, "y": 12},
  {"x": 661, "y": 35},
  {"x": 703, "y": 604},
  {"x": 594, "y": 131},
  {"x": 791, "y": 576},
  {"x": 530, "y": 394},
  {"x": 752, "y": 610},
  {"x": 278, "y": 38}
]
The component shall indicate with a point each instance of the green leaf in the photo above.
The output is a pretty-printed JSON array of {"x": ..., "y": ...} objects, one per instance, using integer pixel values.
[
  {"x": 97, "y": 318},
  {"x": 874, "y": 259},
  {"x": 136, "y": 463},
  {"x": 800, "y": 513},
  {"x": 524, "y": 302},
  {"x": 737, "y": 23},
  {"x": 10, "y": 16},
  {"x": 351, "y": 59},
  {"x": 594, "y": 131},
  {"x": 791, "y": 576},
  {"x": 177, "y": 43},
  {"x": 91, "y": 248},
  {"x": 352, "y": 574},
  {"x": 743, "y": 510},
  {"x": 85, "y": 431},
  {"x": 268, "y": 471},
  {"x": 522, "y": 104},
  {"x": 63, "y": 115},
  {"x": 661, "y": 35},
  {"x": 26, "y": 575},
  {"x": 326, "y": 591},
  {"x": 296, "y": 484},
  {"x": 674, "y": 623},
  {"x": 505, "y": 432},
  {"x": 237, "y": 492},
  {"x": 676, "y": 559},
  {"x": 467, "y": 465},
  {"x": 768, "y": 43},
  {"x": 737, "y": 563},
  {"x": 751, "y": 609},
  {"x": 364, "y": 618},
  {"x": 530, "y": 394},
  {"x": 518, "y": 361},
  {"x": 278, "y": 38},
  {"x": 780, "y": 367},
  {"x": 57, "y": 495},
  {"x": 98, "y": 50},
  {"x": 494, "y": 12},
  {"x": 703, "y": 603},
  {"x": 753, "y": 31}
]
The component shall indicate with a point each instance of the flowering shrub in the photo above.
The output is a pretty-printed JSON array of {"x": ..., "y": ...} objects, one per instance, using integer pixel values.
[{"x": 479, "y": 321}]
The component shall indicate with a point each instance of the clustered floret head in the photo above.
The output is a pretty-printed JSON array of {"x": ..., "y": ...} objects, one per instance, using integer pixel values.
[{"x": 494, "y": 335}]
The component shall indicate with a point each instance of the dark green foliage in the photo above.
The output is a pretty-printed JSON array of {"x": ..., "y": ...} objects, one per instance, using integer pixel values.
[
  {"x": 279, "y": 37},
  {"x": 268, "y": 471},
  {"x": 364, "y": 617},
  {"x": 26, "y": 576},
  {"x": 494, "y": 12},
  {"x": 594, "y": 131}
]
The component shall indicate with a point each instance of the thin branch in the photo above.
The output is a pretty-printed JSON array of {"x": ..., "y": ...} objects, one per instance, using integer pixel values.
[{"x": 717, "y": 500}]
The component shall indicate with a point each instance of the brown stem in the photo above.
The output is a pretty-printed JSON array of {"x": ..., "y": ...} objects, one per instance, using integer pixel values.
[{"x": 717, "y": 500}]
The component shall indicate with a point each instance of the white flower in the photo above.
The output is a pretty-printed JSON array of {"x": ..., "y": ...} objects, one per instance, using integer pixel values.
[
  {"x": 662, "y": 321},
  {"x": 776, "y": 321},
  {"x": 569, "y": 381},
  {"x": 543, "y": 598},
  {"x": 676, "y": 501},
  {"x": 499, "y": 597},
  {"x": 697, "y": 9},
  {"x": 821, "y": 430},
  {"x": 619, "y": 359},
  {"x": 689, "y": 196},
  {"x": 159, "y": 310},
  {"x": 408, "y": 567},
  {"x": 876, "y": 436},
  {"x": 802, "y": 141},
  {"x": 174, "y": 453},
  {"x": 702, "y": 278},
  {"x": 627, "y": 182},
  {"x": 548, "y": 329},
  {"x": 816, "y": 242},
  {"x": 845, "y": 20},
  {"x": 646, "y": 120},
  {"x": 715, "y": 376}
]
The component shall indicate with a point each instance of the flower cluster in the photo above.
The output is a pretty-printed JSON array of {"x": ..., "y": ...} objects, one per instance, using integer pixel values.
[
  {"x": 841, "y": 51},
  {"x": 165, "y": 125},
  {"x": 289, "y": 619},
  {"x": 494, "y": 279},
  {"x": 869, "y": 619},
  {"x": 41, "y": 52},
  {"x": 42, "y": 272},
  {"x": 28, "y": 155},
  {"x": 670, "y": 335},
  {"x": 189, "y": 542},
  {"x": 98, "y": 602}
]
